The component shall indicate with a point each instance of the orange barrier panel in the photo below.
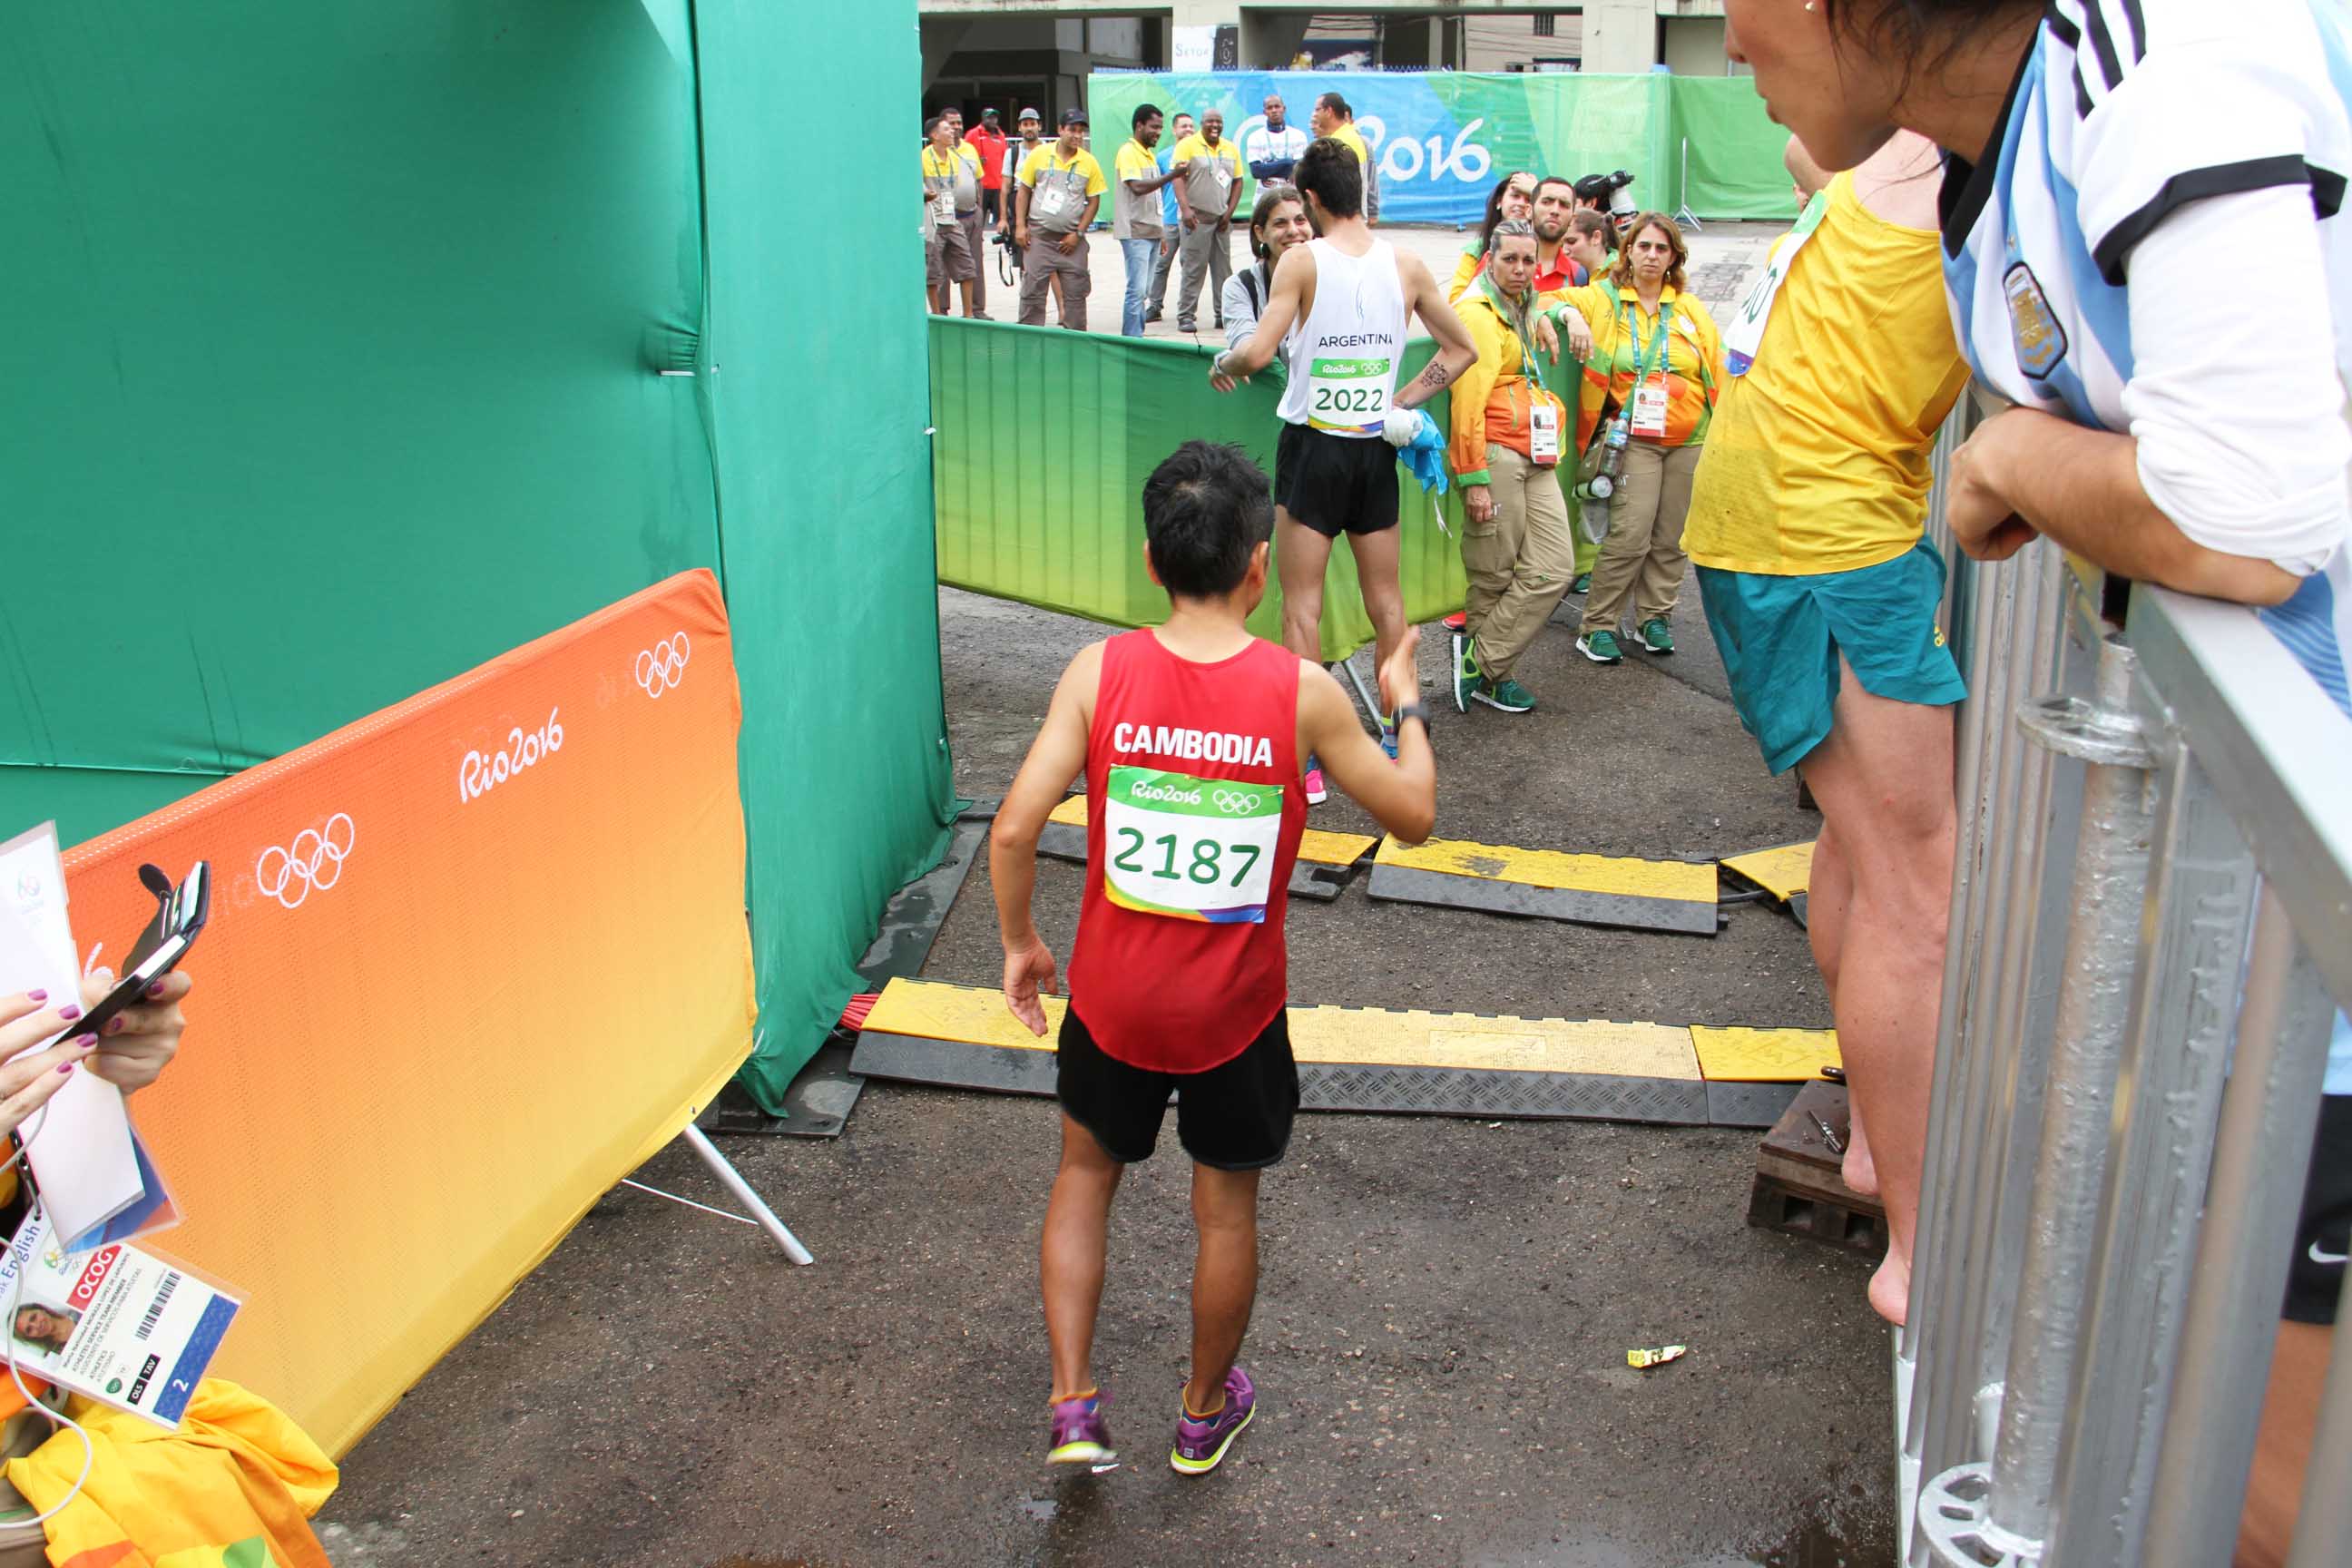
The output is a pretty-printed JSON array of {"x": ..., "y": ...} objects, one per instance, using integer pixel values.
[{"x": 471, "y": 959}]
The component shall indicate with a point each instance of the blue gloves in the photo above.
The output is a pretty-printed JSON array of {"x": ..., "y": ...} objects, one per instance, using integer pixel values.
[{"x": 1421, "y": 446}]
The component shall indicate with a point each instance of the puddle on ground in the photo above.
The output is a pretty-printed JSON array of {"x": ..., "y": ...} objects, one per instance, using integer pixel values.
[{"x": 1041, "y": 1508}]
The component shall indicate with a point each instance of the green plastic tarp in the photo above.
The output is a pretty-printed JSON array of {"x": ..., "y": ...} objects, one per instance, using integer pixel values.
[{"x": 347, "y": 347}]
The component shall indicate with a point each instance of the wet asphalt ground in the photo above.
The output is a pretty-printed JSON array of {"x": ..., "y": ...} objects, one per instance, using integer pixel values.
[{"x": 1444, "y": 1309}]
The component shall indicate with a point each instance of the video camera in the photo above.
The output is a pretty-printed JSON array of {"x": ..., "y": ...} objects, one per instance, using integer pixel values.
[{"x": 1609, "y": 193}]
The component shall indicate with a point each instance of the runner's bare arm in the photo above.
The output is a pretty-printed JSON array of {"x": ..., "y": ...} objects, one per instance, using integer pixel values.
[
  {"x": 1056, "y": 758},
  {"x": 1401, "y": 795},
  {"x": 1291, "y": 274},
  {"x": 1455, "y": 353}
]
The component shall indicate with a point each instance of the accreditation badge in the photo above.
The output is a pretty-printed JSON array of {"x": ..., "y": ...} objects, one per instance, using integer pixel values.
[
  {"x": 1190, "y": 848},
  {"x": 1649, "y": 409}
]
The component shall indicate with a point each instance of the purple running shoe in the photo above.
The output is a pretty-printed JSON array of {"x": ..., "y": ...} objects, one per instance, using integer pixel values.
[
  {"x": 1081, "y": 1435},
  {"x": 1200, "y": 1445}
]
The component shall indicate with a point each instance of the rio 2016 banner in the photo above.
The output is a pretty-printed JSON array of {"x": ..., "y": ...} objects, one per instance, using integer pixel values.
[
  {"x": 471, "y": 959},
  {"x": 1442, "y": 139}
]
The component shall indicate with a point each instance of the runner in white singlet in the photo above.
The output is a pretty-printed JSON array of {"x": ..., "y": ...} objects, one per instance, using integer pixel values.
[{"x": 1350, "y": 298}]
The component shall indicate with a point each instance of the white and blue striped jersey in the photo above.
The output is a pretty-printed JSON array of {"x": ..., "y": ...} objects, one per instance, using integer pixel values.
[{"x": 2126, "y": 115}]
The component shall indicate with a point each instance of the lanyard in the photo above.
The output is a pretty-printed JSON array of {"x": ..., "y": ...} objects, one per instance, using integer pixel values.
[
  {"x": 1517, "y": 319},
  {"x": 1631, "y": 325}
]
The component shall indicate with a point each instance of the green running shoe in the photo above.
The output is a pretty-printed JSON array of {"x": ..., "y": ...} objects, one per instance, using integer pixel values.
[
  {"x": 1656, "y": 638},
  {"x": 1583, "y": 583},
  {"x": 1600, "y": 647},
  {"x": 1465, "y": 671},
  {"x": 1505, "y": 695}
]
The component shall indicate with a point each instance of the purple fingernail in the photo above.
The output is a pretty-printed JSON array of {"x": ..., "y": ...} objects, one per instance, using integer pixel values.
[
  {"x": 114, "y": 1025},
  {"x": 37, "y": 995},
  {"x": 84, "y": 1041},
  {"x": 64, "y": 1067},
  {"x": 156, "y": 989},
  {"x": 68, "y": 1012}
]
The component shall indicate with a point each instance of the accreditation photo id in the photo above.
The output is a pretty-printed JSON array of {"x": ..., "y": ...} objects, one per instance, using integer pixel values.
[{"x": 115, "y": 1324}]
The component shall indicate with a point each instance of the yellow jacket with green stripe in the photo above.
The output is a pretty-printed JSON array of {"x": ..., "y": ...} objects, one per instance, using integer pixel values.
[{"x": 1695, "y": 369}]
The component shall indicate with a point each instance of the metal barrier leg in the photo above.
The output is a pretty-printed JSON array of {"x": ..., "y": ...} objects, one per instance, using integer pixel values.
[
  {"x": 2268, "y": 1117},
  {"x": 732, "y": 1179},
  {"x": 2323, "y": 1526},
  {"x": 1975, "y": 1514},
  {"x": 2200, "y": 906}
]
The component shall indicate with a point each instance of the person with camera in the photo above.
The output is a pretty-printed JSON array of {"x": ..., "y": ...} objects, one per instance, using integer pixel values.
[
  {"x": 950, "y": 188},
  {"x": 1057, "y": 192},
  {"x": 1509, "y": 432},
  {"x": 1658, "y": 359},
  {"x": 236, "y": 1470}
]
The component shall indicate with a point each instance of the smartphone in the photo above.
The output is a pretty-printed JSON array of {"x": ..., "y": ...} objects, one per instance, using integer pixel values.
[{"x": 180, "y": 916}]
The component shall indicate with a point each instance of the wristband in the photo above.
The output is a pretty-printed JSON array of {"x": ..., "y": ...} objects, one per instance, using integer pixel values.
[{"x": 1412, "y": 710}]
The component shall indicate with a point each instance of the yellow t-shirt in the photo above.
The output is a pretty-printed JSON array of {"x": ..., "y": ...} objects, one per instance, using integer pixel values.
[
  {"x": 1354, "y": 141},
  {"x": 1817, "y": 460}
]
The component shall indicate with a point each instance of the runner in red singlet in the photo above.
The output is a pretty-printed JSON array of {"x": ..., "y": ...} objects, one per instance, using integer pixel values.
[{"x": 1190, "y": 737}]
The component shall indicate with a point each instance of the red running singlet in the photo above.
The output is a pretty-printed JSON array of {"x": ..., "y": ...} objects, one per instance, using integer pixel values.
[{"x": 1193, "y": 813}]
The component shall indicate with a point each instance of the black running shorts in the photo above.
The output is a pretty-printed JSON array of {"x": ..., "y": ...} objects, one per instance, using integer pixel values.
[
  {"x": 1237, "y": 1116},
  {"x": 1335, "y": 484},
  {"x": 2324, "y": 1234}
]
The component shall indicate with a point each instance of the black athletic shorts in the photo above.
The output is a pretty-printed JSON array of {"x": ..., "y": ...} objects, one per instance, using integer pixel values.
[
  {"x": 1335, "y": 484},
  {"x": 2324, "y": 1234},
  {"x": 1237, "y": 1116}
]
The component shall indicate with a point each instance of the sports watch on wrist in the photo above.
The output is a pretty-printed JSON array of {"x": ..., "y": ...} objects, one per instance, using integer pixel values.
[{"x": 1412, "y": 710}]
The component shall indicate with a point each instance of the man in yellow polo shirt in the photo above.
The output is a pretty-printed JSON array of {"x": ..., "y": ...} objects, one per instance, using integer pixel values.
[
  {"x": 1333, "y": 118},
  {"x": 1212, "y": 190},
  {"x": 1060, "y": 187}
]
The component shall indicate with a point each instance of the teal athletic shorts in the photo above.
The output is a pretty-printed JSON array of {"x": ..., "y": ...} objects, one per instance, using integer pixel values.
[{"x": 1781, "y": 638}]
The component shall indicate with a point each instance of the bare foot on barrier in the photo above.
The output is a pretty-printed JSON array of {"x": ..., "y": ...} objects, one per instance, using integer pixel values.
[{"x": 1890, "y": 1289}]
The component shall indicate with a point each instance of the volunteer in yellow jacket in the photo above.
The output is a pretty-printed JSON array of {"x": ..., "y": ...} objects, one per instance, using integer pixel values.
[
  {"x": 1657, "y": 362},
  {"x": 1058, "y": 189},
  {"x": 1806, "y": 521},
  {"x": 1510, "y": 433}
]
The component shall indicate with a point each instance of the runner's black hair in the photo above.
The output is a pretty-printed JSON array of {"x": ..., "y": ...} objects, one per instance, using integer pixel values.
[
  {"x": 1330, "y": 171},
  {"x": 1206, "y": 509}
]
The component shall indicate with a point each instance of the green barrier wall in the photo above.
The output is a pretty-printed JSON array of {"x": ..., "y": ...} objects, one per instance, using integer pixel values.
[
  {"x": 1484, "y": 124},
  {"x": 348, "y": 346},
  {"x": 1735, "y": 169},
  {"x": 1045, "y": 438}
]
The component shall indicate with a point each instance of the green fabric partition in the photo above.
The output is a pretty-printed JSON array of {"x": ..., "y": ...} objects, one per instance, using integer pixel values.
[
  {"x": 349, "y": 347},
  {"x": 1045, "y": 438},
  {"x": 1735, "y": 169},
  {"x": 815, "y": 388}
]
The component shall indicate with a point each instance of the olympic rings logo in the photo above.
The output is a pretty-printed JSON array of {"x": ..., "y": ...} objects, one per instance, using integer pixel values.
[
  {"x": 663, "y": 666},
  {"x": 1233, "y": 803},
  {"x": 315, "y": 860}
]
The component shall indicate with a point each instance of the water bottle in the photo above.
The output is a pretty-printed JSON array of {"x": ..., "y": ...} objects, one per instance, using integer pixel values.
[{"x": 1613, "y": 461}]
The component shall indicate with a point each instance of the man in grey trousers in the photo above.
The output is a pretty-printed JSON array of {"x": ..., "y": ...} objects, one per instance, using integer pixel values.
[{"x": 1212, "y": 192}]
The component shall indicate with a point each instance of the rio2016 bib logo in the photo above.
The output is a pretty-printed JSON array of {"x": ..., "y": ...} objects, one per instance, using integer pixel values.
[{"x": 477, "y": 774}]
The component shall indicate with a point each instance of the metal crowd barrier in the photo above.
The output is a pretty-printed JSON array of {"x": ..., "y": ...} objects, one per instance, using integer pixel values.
[{"x": 2151, "y": 930}]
